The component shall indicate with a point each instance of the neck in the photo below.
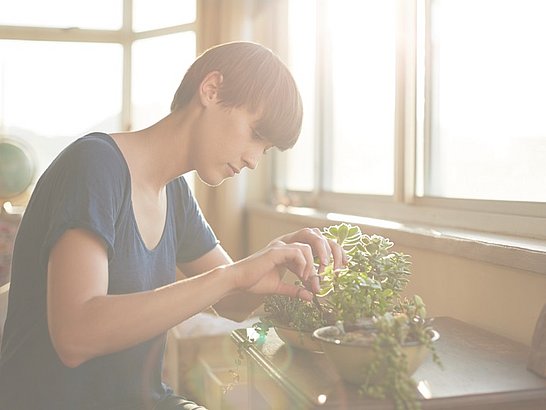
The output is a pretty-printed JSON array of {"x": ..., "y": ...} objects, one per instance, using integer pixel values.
[{"x": 159, "y": 153}]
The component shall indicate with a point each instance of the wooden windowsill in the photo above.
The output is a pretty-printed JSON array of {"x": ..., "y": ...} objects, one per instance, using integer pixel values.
[{"x": 510, "y": 251}]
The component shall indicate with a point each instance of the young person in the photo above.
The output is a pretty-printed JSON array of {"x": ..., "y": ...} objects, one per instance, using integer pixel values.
[{"x": 111, "y": 222}]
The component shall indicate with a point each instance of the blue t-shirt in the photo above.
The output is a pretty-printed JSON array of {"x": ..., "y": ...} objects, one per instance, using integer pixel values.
[{"x": 88, "y": 186}]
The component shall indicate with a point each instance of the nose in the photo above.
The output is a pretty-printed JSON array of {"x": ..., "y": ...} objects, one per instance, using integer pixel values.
[
  {"x": 254, "y": 154},
  {"x": 251, "y": 162}
]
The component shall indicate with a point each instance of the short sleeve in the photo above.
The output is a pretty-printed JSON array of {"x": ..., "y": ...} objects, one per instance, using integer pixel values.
[
  {"x": 195, "y": 237},
  {"x": 88, "y": 182}
]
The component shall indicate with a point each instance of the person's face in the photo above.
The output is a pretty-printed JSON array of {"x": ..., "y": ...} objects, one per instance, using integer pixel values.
[{"x": 228, "y": 143}]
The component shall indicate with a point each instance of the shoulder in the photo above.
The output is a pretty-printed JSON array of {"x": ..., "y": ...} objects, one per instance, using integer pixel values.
[
  {"x": 92, "y": 163},
  {"x": 181, "y": 189},
  {"x": 96, "y": 152},
  {"x": 182, "y": 200},
  {"x": 96, "y": 146}
]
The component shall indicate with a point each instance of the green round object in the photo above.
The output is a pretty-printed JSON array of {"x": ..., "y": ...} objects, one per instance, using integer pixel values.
[{"x": 16, "y": 169}]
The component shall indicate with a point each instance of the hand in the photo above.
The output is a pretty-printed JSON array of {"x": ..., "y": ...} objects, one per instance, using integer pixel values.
[
  {"x": 262, "y": 272},
  {"x": 322, "y": 248}
]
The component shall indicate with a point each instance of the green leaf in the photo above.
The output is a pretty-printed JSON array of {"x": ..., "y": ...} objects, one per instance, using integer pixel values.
[{"x": 343, "y": 231}]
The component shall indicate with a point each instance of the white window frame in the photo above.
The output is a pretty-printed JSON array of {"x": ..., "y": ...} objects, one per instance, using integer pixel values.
[
  {"x": 125, "y": 36},
  {"x": 499, "y": 219}
]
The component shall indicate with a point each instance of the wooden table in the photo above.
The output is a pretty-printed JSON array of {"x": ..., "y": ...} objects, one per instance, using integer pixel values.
[{"x": 481, "y": 371}]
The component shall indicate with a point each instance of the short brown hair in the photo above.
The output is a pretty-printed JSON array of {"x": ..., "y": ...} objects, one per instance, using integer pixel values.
[{"x": 255, "y": 79}]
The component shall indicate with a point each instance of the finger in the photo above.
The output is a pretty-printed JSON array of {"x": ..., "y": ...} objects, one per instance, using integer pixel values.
[
  {"x": 328, "y": 249},
  {"x": 307, "y": 265},
  {"x": 314, "y": 238},
  {"x": 322, "y": 250},
  {"x": 313, "y": 282},
  {"x": 292, "y": 257},
  {"x": 294, "y": 291},
  {"x": 319, "y": 246},
  {"x": 339, "y": 255}
]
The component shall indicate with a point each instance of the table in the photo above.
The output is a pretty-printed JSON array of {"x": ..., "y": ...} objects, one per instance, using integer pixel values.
[{"x": 481, "y": 371}]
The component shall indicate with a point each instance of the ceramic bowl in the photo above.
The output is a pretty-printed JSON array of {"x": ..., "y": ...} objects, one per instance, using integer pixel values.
[
  {"x": 349, "y": 360},
  {"x": 298, "y": 339}
]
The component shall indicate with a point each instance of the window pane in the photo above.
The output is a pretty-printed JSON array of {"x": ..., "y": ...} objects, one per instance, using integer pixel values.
[
  {"x": 488, "y": 101},
  {"x": 159, "y": 64},
  {"x": 363, "y": 81},
  {"x": 96, "y": 14},
  {"x": 355, "y": 95},
  {"x": 52, "y": 92},
  {"x": 152, "y": 14},
  {"x": 298, "y": 169}
]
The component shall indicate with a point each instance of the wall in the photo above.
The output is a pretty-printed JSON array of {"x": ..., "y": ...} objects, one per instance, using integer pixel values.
[{"x": 497, "y": 298}]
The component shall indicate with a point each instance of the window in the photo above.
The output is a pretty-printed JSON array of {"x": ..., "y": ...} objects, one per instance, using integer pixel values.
[
  {"x": 163, "y": 59},
  {"x": 88, "y": 68},
  {"x": 50, "y": 93},
  {"x": 488, "y": 99},
  {"x": 152, "y": 15},
  {"x": 96, "y": 14},
  {"x": 362, "y": 98},
  {"x": 410, "y": 117},
  {"x": 354, "y": 83}
]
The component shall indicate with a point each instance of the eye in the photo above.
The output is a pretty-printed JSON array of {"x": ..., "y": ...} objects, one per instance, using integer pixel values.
[
  {"x": 267, "y": 148},
  {"x": 256, "y": 135},
  {"x": 260, "y": 138}
]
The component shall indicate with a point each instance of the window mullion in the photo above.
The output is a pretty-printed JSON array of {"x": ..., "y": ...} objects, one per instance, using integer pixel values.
[
  {"x": 127, "y": 44},
  {"x": 405, "y": 103},
  {"x": 424, "y": 100},
  {"x": 324, "y": 118},
  {"x": 74, "y": 34},
  {"x": 421, "y": 98}
]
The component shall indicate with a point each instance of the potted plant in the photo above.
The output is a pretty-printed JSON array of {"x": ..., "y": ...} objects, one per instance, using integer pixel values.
[
  {"x": 360, "y": 311},
  {"x": 381, "y": 355},
  {"x": 294, "y": 320},
  {"x": 366, "y": 287},
  {"x": 372, "y": 281}
]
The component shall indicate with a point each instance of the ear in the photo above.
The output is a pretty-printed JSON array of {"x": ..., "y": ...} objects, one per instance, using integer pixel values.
[{"x": 208, "y": 91}]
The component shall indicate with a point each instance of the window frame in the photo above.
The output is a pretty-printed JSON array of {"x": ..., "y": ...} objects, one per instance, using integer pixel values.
[
  {"x": 125, "y": 36},
  {"x": 522, "y": 219}
]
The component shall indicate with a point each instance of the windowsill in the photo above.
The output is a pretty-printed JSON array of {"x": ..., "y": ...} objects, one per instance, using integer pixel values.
[{"x": 510, "y": 251}]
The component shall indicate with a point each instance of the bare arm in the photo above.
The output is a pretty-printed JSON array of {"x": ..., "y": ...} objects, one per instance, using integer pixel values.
[
  {"x": 85, "y": 322},
  {"x": 240, "y": 305},
  {"x": 237, "y": 306}
]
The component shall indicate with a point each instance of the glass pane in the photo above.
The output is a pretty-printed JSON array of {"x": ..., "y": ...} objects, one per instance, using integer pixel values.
[
  {"x": 299, "y": 162},
  {"x": 96, "y": 14},
  {"x": 159, "y": 64},
  {"x": 52, "y": 92},
  {"x": 362, "y": 35},
  {"x": 152, "y": 14},
  {"x": 488, "y": 101}
]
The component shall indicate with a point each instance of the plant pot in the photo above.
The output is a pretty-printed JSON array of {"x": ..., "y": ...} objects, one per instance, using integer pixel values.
[
  {"x": 351, "y": 359},
  {"x": 298, "y": 339}
]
